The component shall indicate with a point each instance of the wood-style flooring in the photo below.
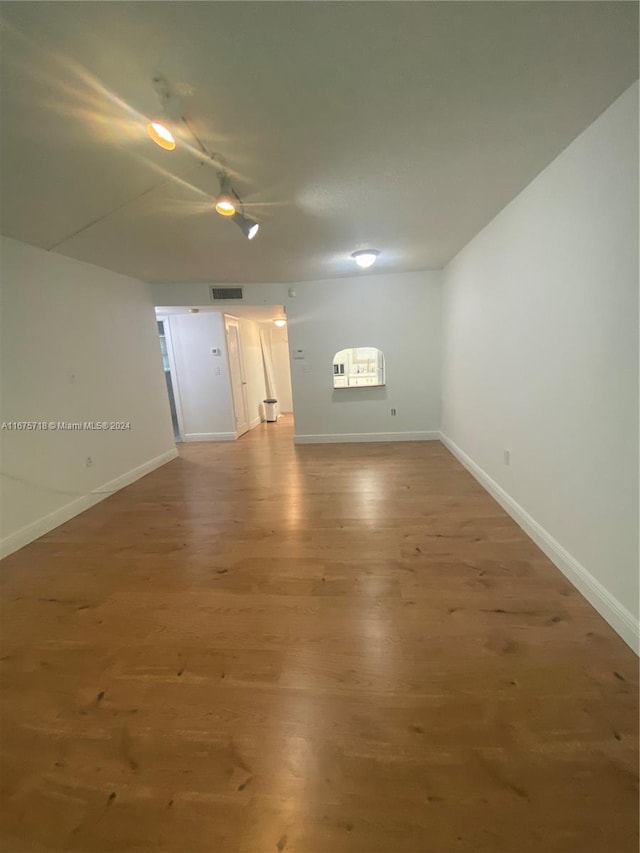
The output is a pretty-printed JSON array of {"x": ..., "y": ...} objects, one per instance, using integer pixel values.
[{"x": 262, "y": 648}]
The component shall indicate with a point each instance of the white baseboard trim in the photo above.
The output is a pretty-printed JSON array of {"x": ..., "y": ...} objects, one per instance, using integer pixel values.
[
  {"x": 621, "y": 620},
  {"x": 43, "y": 525},
  {"x": 210, "y": 436},
  {"x": 255, "y": 422},
  {"x": 357, "y": 437}
]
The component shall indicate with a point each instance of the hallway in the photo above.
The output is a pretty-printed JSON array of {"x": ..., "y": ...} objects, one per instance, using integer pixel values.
[{"x": 343, "y": 647}]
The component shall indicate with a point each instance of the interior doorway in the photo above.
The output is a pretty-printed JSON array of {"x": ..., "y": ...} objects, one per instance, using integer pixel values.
[
  {"x": 237, "y": 374},
  {"x": 222, "y": 366}
]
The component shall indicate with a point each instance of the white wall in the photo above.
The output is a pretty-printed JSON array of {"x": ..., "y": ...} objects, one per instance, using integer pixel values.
[
  {"x": 541, "y": 358},
  {"x": 79, "y": 344},
  {"x": 399, "y": 314},
  {"x": 202, "y": 386},
  {"x": 198, "y": 294}
]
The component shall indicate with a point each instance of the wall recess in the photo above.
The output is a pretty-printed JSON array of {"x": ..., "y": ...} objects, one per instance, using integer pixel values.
[{"x": 358, "y": 367}]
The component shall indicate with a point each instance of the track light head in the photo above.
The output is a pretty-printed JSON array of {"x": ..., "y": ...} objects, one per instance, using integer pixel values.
[
  {"x": 171, "y": 112},
  {"x": 226, "y": 202},
  {"x": 248, "y": 226},
  {"x": 225, "y": 205},
  {"x": 161, "y": 135}
]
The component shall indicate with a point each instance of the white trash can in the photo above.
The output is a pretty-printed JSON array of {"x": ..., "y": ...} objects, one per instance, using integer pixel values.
[{"x": 270, "y": 411}]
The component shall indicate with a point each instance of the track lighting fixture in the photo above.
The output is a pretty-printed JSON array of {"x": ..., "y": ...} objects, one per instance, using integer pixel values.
[
  {"x": 161, "y": 135},
  {"x": 365, "y": 257},
  {"x": 225, "y": 203},
  {"x": 171, "y": 113},
  {"x": 160, "y": 130},
  {"x": 249, "y": 227}
]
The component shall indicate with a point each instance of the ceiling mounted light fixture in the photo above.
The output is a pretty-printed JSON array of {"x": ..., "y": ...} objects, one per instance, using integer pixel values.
[
  {"x": 226, "y": 202},
  {"x": 161, "y": 131},
  {"x": 171, "y": 113},
  {"x": 248, "y": 226},
  {"x": 365, "y": 257},
  {"x": 161, "y": 135},
  {"x": 229, "y": 203},
  {"x": 280, "y": 323}
]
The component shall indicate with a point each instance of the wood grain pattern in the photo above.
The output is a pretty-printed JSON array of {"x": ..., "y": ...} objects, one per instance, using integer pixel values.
[{"x": 345, "y": 648}]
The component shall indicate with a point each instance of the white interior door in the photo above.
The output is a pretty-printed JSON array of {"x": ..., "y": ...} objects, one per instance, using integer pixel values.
[{"x": 238, "y": 380}]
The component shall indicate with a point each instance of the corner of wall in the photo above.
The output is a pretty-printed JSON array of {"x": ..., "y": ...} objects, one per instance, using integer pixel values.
[
  {"x": 35, "y": 529},
  {"x": 620, "y": 619}
]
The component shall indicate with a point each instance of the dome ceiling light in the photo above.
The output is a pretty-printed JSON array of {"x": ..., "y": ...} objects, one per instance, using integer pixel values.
[
  {"x": 280, "y": 322},
  {"x": 365, "y": 257}
]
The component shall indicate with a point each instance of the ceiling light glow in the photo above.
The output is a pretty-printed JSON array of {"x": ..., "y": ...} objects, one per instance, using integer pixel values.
[
  {"x": 280, "y": 323},
  {"x": 365, "y": 257},
  {"x": 225, "y": 205},
  {"x": 161, "y": 135}
]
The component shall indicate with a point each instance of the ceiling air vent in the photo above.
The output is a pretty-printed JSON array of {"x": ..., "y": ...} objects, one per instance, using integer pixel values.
[{"x": 222, "y": 293}]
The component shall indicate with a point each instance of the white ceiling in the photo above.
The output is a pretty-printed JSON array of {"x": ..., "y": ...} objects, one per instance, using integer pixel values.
[{"x": 400, "y": 126}]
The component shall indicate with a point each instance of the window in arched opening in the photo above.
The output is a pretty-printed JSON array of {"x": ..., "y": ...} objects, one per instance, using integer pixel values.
[{"x": 358, "y": 367}]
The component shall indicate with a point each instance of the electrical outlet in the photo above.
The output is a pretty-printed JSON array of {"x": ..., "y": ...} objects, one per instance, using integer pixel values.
[
  {"x": 393, "y": 412},
  {"x": 88, "y": 462},
  {"x": 507, "y": 457}
]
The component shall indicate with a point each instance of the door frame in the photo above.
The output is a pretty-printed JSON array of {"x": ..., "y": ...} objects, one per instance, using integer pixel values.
[
  {"x": 231, "y": 320},
  {"x": 173, "y": 374}
]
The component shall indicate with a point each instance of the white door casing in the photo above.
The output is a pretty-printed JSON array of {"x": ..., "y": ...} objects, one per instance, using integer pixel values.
[
  {"x": 166, "y": 324},
  {"x": 237, "y": 374}
]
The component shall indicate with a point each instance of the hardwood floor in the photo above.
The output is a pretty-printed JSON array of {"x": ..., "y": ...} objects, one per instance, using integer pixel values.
[{"x": 345, "y": 648}]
